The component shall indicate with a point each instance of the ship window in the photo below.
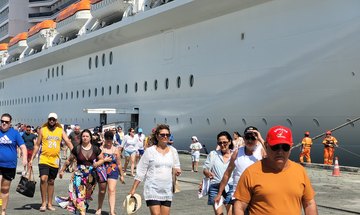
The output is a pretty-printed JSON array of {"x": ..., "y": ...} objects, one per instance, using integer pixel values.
[
  {"x": 77, "y": 94},
  {"x": 109, "y": 90},
  {"x": 62, "y": 70},
  {"x": 264, "y": 121},
  {"x": 66, "y": 95},
  {"x": 90, "y": 62},
  {"x": 103, "y": 59},
  {"x": 244, "y": 121},
  {"x": 242, "y": 36},
  {"x": 83, "y": 93},
  {"x": 155, "y": 84},
  {"x": 191, "y": 80},
  {"x": 96, "y": 61},
  {"x": 289, "y": 122},
  {"x": 166, "y": 83},
  {"x": 111, "y": 58},
  {"x": 57, "y": 71},
  {"x": 145, "y": 86},
  {"x": 126, "y": 88},
  {"x": 178, "y": 81},
  {"x": 224, "y": 121},
  {"x": 52, "y": 72},
  {"x": 61, "y": 96},
  {"x": 316, "y": 122},
  {"x": 57, "y": 96},
  {"x": 177, "y": 120},
  {"x": 39, "y": 99},
  {"x": 89, "y": 93},
  {"x": 48, "y": 73},
  {"x": 102, "y": 91},
  {"x": 136, "y": 87},
  {"x": 191, "y": 121},
  {"x": 52, "y": 98},
  {"x": 72, "y": 95},
  {"x": 208, "y": 121},
  {"x": 42, "y": 99},
  {"x": 95, "y": 92},
  {"x": 117, "y": 89}
]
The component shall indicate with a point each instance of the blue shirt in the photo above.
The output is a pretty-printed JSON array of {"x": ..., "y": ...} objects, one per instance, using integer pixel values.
[{"x": 9, "y": 140}]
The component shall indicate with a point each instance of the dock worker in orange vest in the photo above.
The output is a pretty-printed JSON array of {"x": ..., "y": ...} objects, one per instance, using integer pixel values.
[
  {"x": 329, "y": 142},
  {"x": 306, "y": 147}
]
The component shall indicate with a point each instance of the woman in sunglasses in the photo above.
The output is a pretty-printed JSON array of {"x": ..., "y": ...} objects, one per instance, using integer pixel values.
[
  {"x": 242, "y": 158},
  {"x": 214, "y": 168},
  {"x": 156, "y": 168},
  {"x": 275, "y": 185}
]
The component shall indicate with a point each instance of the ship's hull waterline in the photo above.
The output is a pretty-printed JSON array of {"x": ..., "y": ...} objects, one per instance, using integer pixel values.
[{"x": 218, "y": 66}]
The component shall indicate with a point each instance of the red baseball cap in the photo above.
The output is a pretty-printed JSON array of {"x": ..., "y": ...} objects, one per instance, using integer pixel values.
[
  {"x": 307, "y": 133},
  {"x": 328, "y": 132},
  {"x": 279, "y": 135}
]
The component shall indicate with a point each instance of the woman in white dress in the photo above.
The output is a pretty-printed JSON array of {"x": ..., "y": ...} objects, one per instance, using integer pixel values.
[{"x": 156, "y": 168}]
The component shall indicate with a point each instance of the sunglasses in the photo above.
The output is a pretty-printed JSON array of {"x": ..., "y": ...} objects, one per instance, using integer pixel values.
[
  {"x": 164, "y": 135},
  {"x": 4, "y": 121},
  {"x": 52, "y": 119},
  {"x": 250, "y": 137},
  {"x": 223, "y": 143},
  {"x": 284, "y": 147}
]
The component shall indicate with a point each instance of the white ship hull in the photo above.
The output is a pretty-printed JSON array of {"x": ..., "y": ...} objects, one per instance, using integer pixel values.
[{"x": 259, "y": 63}]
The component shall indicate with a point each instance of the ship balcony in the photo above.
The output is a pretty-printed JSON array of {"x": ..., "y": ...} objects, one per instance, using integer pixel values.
[
  {"x": 17, "y": 49},
  {"x": 108, "y": 10},
  {"x": 71, "y": 25}
]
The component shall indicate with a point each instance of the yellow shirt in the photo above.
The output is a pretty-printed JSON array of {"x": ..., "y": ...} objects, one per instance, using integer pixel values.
[
  {"x": 307, "y": 142},
  {"x": 50, "y": 146}
]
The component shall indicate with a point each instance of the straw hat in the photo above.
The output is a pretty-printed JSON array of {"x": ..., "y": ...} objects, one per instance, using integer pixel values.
[{"x": 132, "y": 203}]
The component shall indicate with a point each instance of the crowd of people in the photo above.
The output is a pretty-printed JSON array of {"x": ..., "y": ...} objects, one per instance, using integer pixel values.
[{"x": 245, "y": 173}]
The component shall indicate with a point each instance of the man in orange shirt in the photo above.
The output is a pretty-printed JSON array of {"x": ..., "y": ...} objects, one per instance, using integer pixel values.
[
  {"x": 275, "y": 185},
  {"x": 329, "y": 143},
  {"x": 306, "y": 147}
]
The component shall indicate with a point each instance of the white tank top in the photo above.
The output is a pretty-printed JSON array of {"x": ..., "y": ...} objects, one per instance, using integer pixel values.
[{"x": 243, "y": 161}]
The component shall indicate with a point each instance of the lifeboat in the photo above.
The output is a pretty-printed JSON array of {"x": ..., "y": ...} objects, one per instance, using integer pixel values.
[
  {"x": 18, "y": 44},
  {"x": 39, "y": 34},
  {"x": 73, "y": 18},
  {"x": 108, "y": 11},
  {"x": 3, "y": 53}
]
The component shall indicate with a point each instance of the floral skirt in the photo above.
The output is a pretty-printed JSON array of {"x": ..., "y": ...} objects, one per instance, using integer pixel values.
[{"x": 81, "y": 187}]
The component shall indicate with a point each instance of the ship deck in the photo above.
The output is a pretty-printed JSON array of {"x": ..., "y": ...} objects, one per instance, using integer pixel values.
[{"x": 335, "y": 195}]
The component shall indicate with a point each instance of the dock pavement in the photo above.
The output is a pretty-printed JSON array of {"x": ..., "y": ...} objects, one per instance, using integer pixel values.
[{"x": 334, "y": 195}]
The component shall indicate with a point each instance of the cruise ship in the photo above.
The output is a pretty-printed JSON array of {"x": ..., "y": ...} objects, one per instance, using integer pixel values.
[{"x": 201, "y": 66}]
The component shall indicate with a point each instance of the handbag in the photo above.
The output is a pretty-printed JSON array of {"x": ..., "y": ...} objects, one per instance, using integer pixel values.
[
  {"x": 27, "y": 184},
  {"x": 101, "y": 173}
]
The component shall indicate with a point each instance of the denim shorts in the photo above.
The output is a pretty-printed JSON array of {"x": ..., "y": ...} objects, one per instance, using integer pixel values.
[
  {"x": 128, "y": 153},
  {"x": 214, "y": 190}
]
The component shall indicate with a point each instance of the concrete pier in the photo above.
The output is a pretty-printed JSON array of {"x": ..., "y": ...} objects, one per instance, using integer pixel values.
[{"x": 335, "y": 195}]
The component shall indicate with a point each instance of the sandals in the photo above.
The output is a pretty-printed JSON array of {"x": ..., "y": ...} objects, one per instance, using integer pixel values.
[
  {"x": 98, "y": 212},
  {"x": 51, "y": 208},
  {"x": 42, "y": 209}
]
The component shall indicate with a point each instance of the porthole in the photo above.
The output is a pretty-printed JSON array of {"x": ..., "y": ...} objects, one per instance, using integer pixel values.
[
  {"x": 39, "y": 99},
  {"x": 103, "y": 59},
  {"x": 62, "y": 70},
  {"x": 57, "y": 97},
  {"x": 166, "y": 83},
  {"x": 96, "y": 61},
  {"x": 117, "y": 89},
  {"x": 224, "y": 121},
  {"x": 191, "y": 121},
  {"x": 102, "y": 91},
  {"x": 126, "y": 88},
  {"x": 77, "y": 94},
  {"x": 178, "y": 82},
  {"x": 244, "y": 121},
  {"x": 57, "y": 71},
  {"x": 89, "y": 93},
  {"x": 289, "y": 122},
  {"x": 316, "y": 122},
  {"x": 95, "y": 92},
  {"x": 110, "y": 58},
  {"x": 177, "y": 120},
  {"x": 52, "y": 98},
  {"x": 61, "y": 96},
  {"x": 43, "y": 99},
  {"x": 72, "y": 94},
  {"x": 136, "y": 87},
  {"x": 155, "y": 85},
  {"x": 52, "y": 72},
  {"x": 48, "y": 73},
  {"x": 90, "y": 62},
  {"x": 191, "y": 80},
  {"x": 145, "y": 86},
  {"x": 208, "y": 121},
  {"x": 83, "y": 93},
  {"x": 66, "y": 95},
  {"x": 264, "y": 121},
  {"x": 109, "y": 90}
]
